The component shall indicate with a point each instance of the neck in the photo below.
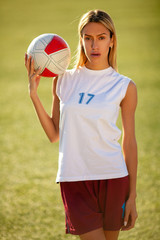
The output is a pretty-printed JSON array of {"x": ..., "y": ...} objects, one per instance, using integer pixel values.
[{"x": 96, "y": 66}]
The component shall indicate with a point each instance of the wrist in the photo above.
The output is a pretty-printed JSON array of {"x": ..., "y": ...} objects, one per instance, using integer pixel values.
[{"x": 33, "y": 95}]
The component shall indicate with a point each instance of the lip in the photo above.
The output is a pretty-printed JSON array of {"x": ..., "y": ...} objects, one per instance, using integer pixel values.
[{"x": 95, "y": 54}]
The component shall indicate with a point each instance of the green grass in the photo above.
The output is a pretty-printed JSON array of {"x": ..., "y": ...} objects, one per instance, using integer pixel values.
[{"x": 30, "y": 202}]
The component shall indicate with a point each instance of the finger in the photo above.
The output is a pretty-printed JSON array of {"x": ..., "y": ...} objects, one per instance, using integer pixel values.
[
  {"x": 126, "y": 220},
  {"x": 126, "y": 217},
  {"x": 130, "y": 224},
  {"x": 29, "y": 64},
  {"x": 35, "y": 76},
  {"x": 127, "y": 227},
  {"x": 32, "y": 66},
  {"x": 38, "y": 71},
  {"x": 25, "y": 59}
]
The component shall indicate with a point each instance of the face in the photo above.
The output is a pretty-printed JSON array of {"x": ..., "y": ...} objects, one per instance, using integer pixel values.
[{"x": 96, "y": 42}]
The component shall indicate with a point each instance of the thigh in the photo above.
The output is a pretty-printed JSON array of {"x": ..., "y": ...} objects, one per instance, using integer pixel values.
[
  {"x": 100, "y": 234},
  {"x": 94, "y": 235},
  {"x": 111, "y": 235}
]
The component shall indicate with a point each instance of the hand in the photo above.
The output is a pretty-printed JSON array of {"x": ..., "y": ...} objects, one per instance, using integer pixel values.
[
  {"x": 130, "y": 215},
  {"x": 33, "y": 75}
]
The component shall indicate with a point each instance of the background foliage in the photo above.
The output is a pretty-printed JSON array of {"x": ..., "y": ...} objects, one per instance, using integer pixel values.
[{"x": 30, "y": 202}]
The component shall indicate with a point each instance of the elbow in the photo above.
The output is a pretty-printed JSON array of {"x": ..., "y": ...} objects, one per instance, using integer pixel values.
[
  {"x": 53, "y": 134},
  {"x": 130, "y": 149},
  {"x": 54, "y": 139},
  {"x": 129, "y": 141}
]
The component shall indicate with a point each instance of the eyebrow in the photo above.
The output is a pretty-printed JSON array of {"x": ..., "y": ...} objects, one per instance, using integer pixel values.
[{"x": 97, "y": 35}]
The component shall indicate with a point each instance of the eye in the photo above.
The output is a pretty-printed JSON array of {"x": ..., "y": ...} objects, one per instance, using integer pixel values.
[
  {"x": 87, "y": 38},
  {"x": 101, "y": 37}
]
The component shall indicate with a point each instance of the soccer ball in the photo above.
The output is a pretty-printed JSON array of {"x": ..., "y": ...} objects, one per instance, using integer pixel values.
[{"x": 51, "y": 53}]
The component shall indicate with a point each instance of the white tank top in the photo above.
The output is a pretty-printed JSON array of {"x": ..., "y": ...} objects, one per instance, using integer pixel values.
[{"x": 89, "y": 107}]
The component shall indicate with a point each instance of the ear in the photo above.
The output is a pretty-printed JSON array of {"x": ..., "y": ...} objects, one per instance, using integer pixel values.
[{"x": 111, "y": 42}]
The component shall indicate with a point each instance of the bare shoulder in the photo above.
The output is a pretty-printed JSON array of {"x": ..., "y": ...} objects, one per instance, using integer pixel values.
[
  {"x": 130, "y": 98},
  {"x": 132, "y": 86}
]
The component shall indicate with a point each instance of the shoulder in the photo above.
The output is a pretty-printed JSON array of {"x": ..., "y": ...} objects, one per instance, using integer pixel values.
[
  {"x": 130, "y": 98},
  {"x": 72, "y": 71},
  {"x": 68, "y": 74},
  {"x": 132, "y": 89},
  {"x": 128, "y": 86},
  {"x": 65, "y": 82},
  {"x": 122, "y": 80},
  {"x": 128, "y": 91}
]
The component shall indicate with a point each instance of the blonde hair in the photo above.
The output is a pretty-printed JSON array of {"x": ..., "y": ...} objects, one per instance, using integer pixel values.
[{"x": 97, "y": 16}]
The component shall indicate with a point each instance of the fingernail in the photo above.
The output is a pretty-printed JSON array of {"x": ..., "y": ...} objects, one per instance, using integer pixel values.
[{"x": 125, "y": 223}]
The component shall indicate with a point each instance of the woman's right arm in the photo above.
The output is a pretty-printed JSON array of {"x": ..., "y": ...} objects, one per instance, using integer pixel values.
[{"x": 49, "y": 124}]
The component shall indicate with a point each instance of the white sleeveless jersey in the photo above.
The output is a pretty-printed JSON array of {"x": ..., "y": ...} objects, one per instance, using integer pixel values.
[{"x": 89, "y": 107}]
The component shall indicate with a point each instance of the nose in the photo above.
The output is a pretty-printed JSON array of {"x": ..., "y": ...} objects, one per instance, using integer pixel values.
[{"x": 94, "y": 44}]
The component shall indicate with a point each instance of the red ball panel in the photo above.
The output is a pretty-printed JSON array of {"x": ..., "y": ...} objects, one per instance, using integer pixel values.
[
  {"x": 47, "y": 73},
  {"x": 55, "y": 45}
]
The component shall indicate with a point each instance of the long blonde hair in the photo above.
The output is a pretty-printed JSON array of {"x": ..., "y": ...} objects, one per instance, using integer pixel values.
[{"x": 97, "y": 16}]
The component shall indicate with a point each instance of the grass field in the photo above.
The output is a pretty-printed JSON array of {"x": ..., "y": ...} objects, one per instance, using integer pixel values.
[{"x": 30, "y": 202}]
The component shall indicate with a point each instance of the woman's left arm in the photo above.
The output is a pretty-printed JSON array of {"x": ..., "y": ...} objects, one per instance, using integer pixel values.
[{"x": 129, "y": 145}]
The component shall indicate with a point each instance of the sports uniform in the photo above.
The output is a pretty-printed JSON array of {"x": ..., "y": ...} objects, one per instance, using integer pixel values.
[{"x": 89, "y": 150}]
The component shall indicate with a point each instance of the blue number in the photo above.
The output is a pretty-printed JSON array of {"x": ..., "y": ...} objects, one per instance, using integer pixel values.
[
  {"x": 91, "y": 96},
  {"x": 82, "y": 96}
]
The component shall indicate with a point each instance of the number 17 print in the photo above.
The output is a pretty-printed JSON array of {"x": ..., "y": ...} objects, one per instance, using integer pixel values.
[{"x": 89, "y": 97}]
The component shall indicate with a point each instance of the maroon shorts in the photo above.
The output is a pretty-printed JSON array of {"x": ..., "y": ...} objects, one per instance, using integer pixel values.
[{"x": 90, "y": 205}]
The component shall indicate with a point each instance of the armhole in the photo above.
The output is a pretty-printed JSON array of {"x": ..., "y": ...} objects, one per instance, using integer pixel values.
[
  {"x": 58, "y": 91},
  {"x": 124, "y": 88}
]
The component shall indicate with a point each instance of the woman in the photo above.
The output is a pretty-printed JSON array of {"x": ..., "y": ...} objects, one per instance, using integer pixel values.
[{"x": 98, "y": 182}]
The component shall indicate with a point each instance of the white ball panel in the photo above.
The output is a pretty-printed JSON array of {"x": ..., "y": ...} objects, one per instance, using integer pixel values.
[
  {"x": 64, "y": 62},
  {"x": 57, "y": 56},
  {"x": 41, "y": 59},
  {"x": 53, "y": 67},
  {"x": 40, "y": 45}
]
